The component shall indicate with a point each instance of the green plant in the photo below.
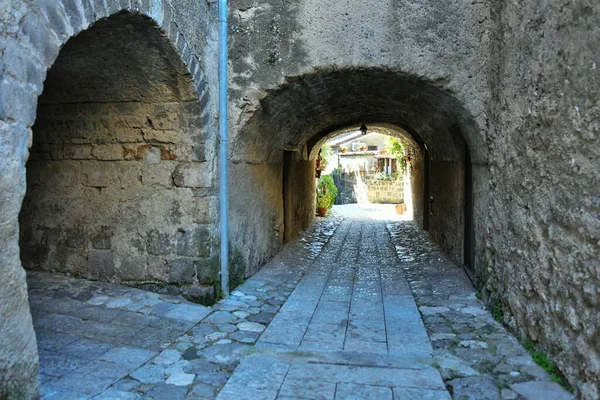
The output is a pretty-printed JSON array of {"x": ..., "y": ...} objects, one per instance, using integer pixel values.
[
  {"x": 395, "y": 148},
  {"x": 382, "y": 176},
  {"x": 326, "y": 192},
  {"x": 542, "y": 360},
  {"x": 478, "y": 295},
  {"x": 326, "y": 154},
  {"x": 497, "y": 312}
]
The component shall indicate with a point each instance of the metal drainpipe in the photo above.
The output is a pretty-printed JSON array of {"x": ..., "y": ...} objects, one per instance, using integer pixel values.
[{"x": 223, "y": 171}]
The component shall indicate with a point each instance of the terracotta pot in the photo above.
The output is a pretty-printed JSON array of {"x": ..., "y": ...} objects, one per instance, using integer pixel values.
[
  {"x": 363, "y": 149},
  {"x": 322, "y": 211},
  {"x": 343, "y": 150}
]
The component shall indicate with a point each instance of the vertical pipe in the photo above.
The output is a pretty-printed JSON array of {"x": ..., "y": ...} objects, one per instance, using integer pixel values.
[{"x": 223, "y": 156}]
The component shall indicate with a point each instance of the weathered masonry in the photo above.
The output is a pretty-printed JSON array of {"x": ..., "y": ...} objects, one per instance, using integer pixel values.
[{"x": 108, "y": 146}]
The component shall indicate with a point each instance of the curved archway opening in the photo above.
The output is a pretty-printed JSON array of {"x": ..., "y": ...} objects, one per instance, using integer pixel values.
[
  {"x": 117, "y": 179},
  {"x": 293, "y": 121}
]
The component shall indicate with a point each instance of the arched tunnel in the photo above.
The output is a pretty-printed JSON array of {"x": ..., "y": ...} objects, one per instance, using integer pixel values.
[
  {"x": 280, "y": 141},
  {"x": 116, "y": 175},
  {"x": 110, "y": 217}
]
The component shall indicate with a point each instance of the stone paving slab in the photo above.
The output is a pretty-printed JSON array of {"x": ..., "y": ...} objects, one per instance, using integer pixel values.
[
  {"x": 346, "y": 311},
  {"x": 102, "y": 341},
  {"x": 476, "y": 355}
]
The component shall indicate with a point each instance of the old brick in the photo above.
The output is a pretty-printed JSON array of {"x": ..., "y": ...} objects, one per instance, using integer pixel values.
[
  {"x": 129, "y": 136},
  {"x": 160, "y": 136},
  {"x": 167, "y": 153},
  {"x": 109, "y": 152},
  {"x": 74, "y": 152},
  {"x": 194, "y": 242}
]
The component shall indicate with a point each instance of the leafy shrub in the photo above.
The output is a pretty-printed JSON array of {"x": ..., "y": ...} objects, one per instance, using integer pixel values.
[{"x": 326, "y": 192}]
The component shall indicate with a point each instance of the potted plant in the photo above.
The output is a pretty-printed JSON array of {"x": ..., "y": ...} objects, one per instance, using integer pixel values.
[
  {"x": 322, "y": 205},
  {"x": 343, "y": 149},
  {"x": 362, "y": 146},
  {"x": 326, "y": 194}
]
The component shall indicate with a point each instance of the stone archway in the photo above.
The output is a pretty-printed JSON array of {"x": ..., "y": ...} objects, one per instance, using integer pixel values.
[
  {"x": 39, "y": 34},
  {"x": 117, "y": 161},
  {"x": 298, "y": 116}
]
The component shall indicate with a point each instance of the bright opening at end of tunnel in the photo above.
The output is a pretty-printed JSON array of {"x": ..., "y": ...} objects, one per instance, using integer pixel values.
[{"x": 371, "y": 174}]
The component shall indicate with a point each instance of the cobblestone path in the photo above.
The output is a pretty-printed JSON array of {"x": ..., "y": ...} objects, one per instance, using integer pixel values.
[{"x": 356, "y": 309}]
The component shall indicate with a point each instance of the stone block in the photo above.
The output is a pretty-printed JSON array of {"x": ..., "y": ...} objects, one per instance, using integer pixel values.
[
  {"x": 101, "y": 239},
  {"x": 160, "y": 175},
  {"x": 96, "y": 174},
  {"x": 108, "y": 152},
  {"x": 207, "y": 271},
  {"x": 181, "y": 271},
  {"x": 133, "y": 267},
  {"x": 76, "y": 18},
  {"x": 159, "y": 243},
  {"x": 75, "y": 152},
  {"x": 165, "y": 121},
  {"x": 195, "y": 175},
  {"x": 156, "y": 268},
  {"x": 198, "y": 293},
  {"x": 101, "y": 264},
  {"x": 57, "y": 18},
  {"x": 152, "y": 155},
  {"x": 160, "y": 136},
  {"x": 34, "y": 257},
  {"x": 198, "y": 150},
  {"x": 130, "y": 135},
  {"x": 202, "y": 210},
  {"x": 76, "y": 238},
  {"x": 194, "y": 242}
]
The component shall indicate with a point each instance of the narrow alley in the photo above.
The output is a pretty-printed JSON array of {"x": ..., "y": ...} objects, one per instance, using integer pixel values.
[{"x": 358, "y": 308}]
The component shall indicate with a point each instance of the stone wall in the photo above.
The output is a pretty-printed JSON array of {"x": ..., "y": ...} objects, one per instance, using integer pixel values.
[
  {"x": 543, "y": 252},
  {"x": 33, "y": 32},
  {"x": 375, "y": 190},
  {"x": 117, "y": 192},
  {"x": 387, "y": 192},
  {"x": 517, "y": 82}
]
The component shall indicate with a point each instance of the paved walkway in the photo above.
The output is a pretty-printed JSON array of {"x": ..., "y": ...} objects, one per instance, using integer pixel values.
[{"x": 330, "y": 317}]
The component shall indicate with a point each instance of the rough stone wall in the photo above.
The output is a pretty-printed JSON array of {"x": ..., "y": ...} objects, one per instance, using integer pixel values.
[
  {"x": 377, "y": 191},
  {"x": 257, "y": 214},
  {"x": 302, "y": 70},
  {"x": 299, "y": 194},
  {"x": 542, "y": 258},
  {"x": 117, "y": 191},
  {"x": 446, "y": 211},
  {"x": 32, "y": 33},
  {"x": 388, "y": 192}
]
